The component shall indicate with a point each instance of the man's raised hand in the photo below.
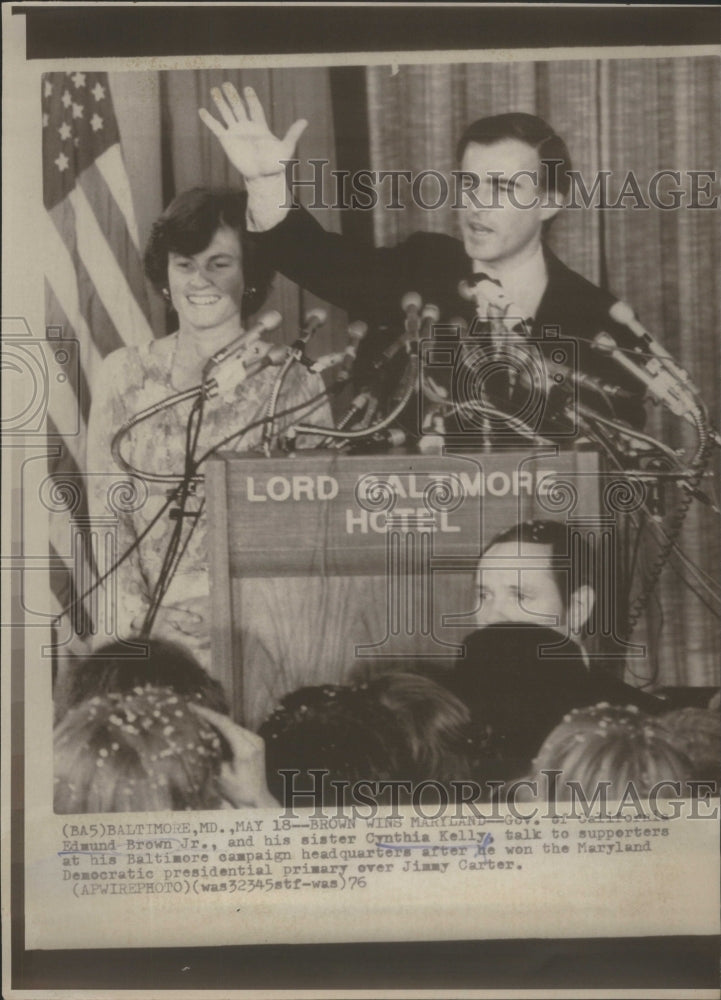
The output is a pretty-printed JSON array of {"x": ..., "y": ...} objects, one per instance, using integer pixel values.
[{"x": 244, "y": 134}]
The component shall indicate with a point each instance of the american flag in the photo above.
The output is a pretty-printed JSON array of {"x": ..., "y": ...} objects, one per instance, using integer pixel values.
[{"x": 95, "y": 294}]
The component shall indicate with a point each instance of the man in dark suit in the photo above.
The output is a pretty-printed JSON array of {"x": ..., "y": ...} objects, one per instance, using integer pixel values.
[{"x": 520, "y": 168}]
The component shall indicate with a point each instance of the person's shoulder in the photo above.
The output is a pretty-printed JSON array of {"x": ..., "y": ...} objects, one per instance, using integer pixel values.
[
  {"x": 128, "y": 368},
  {"x": 125, "y": 364},
  {"x": 566, "y": 281},
  {"x": 435, "y": 259}
]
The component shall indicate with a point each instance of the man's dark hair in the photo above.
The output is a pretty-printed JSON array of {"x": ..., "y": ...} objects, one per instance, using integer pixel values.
[
  {"x": 187, "y": 226},
  {"x": 552, "y": 150},
  {"x": 569, "y": 573},
  {"x": 338, "y": 729}
]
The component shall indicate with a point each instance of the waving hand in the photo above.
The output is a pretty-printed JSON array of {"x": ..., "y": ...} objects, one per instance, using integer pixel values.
[{"x": 245, "y": 136}]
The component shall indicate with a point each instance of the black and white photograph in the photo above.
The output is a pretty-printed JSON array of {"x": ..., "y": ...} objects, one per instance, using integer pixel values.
[{"x": 361, "y": 472}]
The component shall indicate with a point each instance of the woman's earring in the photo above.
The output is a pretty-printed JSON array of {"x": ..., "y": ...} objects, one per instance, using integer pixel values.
[{"x": 166, "y": 294}]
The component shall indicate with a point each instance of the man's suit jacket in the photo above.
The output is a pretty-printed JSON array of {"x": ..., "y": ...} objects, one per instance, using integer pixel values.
[{"x": 369, "y": 283}]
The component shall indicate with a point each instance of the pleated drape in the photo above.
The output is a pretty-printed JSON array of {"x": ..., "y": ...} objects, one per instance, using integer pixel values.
[{"x": 620, "y": 115}]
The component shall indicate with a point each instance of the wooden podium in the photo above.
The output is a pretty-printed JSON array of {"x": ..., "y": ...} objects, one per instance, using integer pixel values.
[{"x": 323, "y": 562}]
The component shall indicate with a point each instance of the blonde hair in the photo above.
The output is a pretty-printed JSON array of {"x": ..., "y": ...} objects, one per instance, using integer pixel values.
[
  {"x": 138, "y": 751},
  {"x": 620, "y": 746}
]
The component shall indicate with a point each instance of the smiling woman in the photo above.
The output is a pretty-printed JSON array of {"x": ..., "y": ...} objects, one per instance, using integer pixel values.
[
  {"x": 200, "y": 259},
  {"x": 207, "y": 289}
]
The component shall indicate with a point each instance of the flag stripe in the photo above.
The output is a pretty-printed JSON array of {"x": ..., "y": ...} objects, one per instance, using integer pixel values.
[
  {"x": 112, "y": 223},
  {"x": 100, "y": 327},
  {"x": 61, "y": 580},
  {"x": 78, "y": 561},
  {"x": 103, "y": 269},
  {"x": 111, "y": 166},
  {"x": 62, "y": 278},
  {"x": 66, "y": 464}
]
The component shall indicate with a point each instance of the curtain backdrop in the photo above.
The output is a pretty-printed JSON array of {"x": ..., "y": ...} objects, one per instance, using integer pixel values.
[
  {"x": 643, "y": 115},
  {"x": 617, "y": 115}
]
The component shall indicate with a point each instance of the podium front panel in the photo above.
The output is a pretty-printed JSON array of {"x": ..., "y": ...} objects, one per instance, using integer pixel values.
[{"x": 324, "y": 565}]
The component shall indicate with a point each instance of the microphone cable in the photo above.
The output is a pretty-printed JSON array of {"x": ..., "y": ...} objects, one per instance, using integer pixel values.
[
  {"x": 175, "y": 494},
  {"x": 698, "y": 467},
  {"x": 409, "y": 378},
  {"x": 171, "y": 560},
  {"x": 668, "y": 537}
]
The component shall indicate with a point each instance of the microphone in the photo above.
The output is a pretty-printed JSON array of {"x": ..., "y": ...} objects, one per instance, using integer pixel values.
[
  {"x": 621, "y": 312},
  {"x": 389, "y": 353},
  {"x": 358, "y": 404},
  {"x": 492, "y": 304},
  {"x": 429, "y": 317},
  {"x": 312, "y": 322},
  {"x": 483, "y": 290},
  {"x": 389, "y": 437},
  {"x": 356, "y": 332},
  {"x": 275, "y": 356},
  {"x": 231, "y": 375},
  {"x": 411, "y": 305},
  {"x": 265, "y": 324},
  {"x": 661, "y": 386}
]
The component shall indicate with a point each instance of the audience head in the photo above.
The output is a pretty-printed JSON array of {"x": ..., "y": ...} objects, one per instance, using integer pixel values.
[
  {"x": 333, "y": 728},
  {"x": 165, "y": 664},
  {"x": 621, "y": 746},
  {"x": 526, "y": 574},
  {"x": 136, "y": 751},
  {"x": 395, "y": 727},
  {"x": 433, "y": 723},
  {"x": 195, "y": 220},
  {"x": 697, "y": 733}
]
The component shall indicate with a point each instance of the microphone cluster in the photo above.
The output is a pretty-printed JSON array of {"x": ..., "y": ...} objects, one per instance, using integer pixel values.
[
  {"x": 665, "y": 380},
  {"x": 246, "y": 355},
  {"x": 242, "y": 357}
]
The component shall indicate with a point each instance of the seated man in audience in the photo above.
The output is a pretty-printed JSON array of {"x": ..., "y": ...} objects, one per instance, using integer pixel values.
[
  {"x": 518, "y": 685},
  {"x": 526, "y": 574}
]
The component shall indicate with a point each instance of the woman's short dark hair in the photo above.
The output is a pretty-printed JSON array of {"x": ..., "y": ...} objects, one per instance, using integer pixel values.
[
  {"x": 187, "y": 226},
  {"x": 552, "y": 150}
]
